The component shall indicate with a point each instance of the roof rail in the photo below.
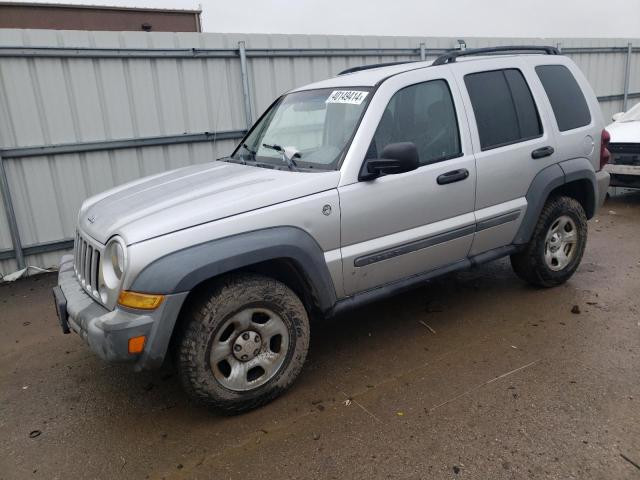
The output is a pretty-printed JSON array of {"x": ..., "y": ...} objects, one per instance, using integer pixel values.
[
  {"x": 451, "y": 56},
  {"x": 373, "y": 65}
]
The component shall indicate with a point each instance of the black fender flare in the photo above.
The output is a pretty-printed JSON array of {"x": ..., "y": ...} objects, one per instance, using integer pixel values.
[
  {"x": 545, "y": 182},
  {"x": 182, "y": 270},
  {"x": 582, "y": 169}
]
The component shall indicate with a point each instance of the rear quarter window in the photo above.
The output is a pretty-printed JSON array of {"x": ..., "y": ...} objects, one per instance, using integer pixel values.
[{"x": 569, "y": 105}]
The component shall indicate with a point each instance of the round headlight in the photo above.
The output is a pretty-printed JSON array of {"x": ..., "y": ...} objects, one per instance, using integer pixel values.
[
  {"x": 117, "y": 260},
  {"x": 114, "y": 263}
]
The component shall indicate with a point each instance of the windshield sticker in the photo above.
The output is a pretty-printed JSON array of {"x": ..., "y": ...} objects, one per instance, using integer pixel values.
[{"x": 353, "y": 97}]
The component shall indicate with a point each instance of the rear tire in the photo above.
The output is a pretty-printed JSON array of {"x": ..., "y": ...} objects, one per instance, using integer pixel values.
[
  {"x": 243, "y": 344},
  {"x": 556, "y": 247}
]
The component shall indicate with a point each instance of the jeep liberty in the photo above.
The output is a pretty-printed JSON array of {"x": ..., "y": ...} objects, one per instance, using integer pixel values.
[{"x": 345, "y": 191}]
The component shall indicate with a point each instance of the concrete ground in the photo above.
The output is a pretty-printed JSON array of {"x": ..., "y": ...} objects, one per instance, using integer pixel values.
[{"x": 476, "y": 376}]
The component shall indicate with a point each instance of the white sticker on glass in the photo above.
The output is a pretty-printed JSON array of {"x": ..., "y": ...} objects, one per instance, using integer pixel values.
[{"x": 353, "y": 97}]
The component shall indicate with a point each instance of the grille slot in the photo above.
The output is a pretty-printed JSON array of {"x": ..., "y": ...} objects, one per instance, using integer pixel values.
[{"x": 87, "y": 263}]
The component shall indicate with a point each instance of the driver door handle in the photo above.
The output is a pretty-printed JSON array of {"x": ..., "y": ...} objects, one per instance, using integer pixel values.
[{"x": 453, "y": 176}]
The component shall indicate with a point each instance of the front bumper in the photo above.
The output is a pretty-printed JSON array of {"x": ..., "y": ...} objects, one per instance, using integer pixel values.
[
  {"x": 108, "y": 332},
  {"x": 602, "y": 179},
  {"x": 624, "y": 175}
]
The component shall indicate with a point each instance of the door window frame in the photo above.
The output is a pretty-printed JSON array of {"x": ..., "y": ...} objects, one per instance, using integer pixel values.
[
  {"x": 456, "y": 117},
  {"x": 523, "y": 63},
  {"x": 384, "y": 91},
  {"x": 533, "y": 98}
]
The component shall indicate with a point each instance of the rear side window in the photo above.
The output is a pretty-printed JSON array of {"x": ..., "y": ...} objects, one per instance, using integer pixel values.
[
  {"x": 568, "y": 102},
  {"x": 503, "y": 106}
]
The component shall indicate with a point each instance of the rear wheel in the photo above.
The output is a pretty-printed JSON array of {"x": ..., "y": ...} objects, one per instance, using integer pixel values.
[
  {"x": 244, "y": 343},
  {"x": 556, "y": 247}
]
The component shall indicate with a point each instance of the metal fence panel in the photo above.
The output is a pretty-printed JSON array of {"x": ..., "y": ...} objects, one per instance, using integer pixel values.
[{"x": 136, "y": 85}]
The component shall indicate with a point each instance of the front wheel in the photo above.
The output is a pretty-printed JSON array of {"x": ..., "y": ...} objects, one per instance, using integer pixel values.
[
  {"x": 556, "y": 247},
  {"x": 244, "y": 343}
]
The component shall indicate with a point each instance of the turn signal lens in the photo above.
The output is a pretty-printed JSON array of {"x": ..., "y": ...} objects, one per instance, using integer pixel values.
[
  {"x": 136, "y": 344},
  {"x": 141, "y": 301}
]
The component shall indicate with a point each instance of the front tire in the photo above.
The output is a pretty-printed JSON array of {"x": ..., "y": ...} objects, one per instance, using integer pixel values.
[
  {"x": 244, "y": 343},
  {"x": 556, "y": 247}
]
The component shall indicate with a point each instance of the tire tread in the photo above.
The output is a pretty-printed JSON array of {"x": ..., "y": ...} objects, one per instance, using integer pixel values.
[
  {"x": 529, "y": 263},
  {"x": 200, "y": 313}
]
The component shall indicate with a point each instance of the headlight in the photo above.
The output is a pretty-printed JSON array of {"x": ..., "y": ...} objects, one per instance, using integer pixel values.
[
  {"x": 112, "y": 268},
  {"x": 117, "y": 260}
]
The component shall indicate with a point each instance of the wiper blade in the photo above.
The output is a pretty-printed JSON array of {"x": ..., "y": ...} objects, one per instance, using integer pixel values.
[
  {"x": 256, "y": 163},
  {"x": 286, "y": 158},
  {"x": 250, "y": 161},
  {"x": 252, "y": 152},
  {"x": 275, "y": 147},
  {"x": 248, "y": 149}
]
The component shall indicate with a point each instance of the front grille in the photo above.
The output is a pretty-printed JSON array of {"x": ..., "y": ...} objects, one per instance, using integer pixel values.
[
  {"x": 624, "y": 147},
  {"x": 625, "y": 154},
  {"x": 87, "y": 263}
]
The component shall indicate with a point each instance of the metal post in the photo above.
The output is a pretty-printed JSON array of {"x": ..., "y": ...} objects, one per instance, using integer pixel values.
[
  {"x": 423, "y": 53},
  {"x": 559, "y": 47},
  {"x": 11, "y": 215},
  {"x": 245, "y": 85},
  {"x": 627, "y": 70}
]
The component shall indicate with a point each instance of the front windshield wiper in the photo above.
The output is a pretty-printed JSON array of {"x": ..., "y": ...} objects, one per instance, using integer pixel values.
[
  {"x": 253, "y": 153},
  {"x": 254, "y": 163},
  {"x": 289, "y": 160},
  {"x": 248, "y": 149}
]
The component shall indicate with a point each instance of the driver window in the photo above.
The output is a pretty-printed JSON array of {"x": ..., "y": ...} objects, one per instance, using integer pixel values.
[{"x": 425, "y": 115}]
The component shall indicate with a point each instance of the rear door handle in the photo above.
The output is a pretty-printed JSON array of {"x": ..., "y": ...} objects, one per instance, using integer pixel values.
[
  {"x": 453, "y": 176},
  {"x": 542, "y": 152}
]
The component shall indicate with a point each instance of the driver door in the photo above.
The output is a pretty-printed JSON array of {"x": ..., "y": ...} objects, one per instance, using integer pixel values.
[{"x": 401, "y": 225}]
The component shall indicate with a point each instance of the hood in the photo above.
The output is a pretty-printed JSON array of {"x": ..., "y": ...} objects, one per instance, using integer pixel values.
[
  {"x": 624, "y": 132},
  {"x": 182, "y": 198}
]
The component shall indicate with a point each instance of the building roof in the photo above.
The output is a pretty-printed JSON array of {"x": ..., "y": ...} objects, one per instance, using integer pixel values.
[
  {"x": 100, "y": 7},
  {"x": 95, "y": 17}
]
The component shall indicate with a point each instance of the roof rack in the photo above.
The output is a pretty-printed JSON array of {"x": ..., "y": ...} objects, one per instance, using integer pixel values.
[
  {"x": 451, "y": 56},
  {"x": 373, "y": 65}
]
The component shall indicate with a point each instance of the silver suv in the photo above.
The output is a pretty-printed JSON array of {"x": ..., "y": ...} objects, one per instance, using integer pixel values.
[{"x": 345, "y": 191}]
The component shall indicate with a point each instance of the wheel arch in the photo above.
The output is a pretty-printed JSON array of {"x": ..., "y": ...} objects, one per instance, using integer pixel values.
[
  {"x": 572, "y": 178},
  {"x": 288, "y": 254},
  {"x": 580, "y": 184}
]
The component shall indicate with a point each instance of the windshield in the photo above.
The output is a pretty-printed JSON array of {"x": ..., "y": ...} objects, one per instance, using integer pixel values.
[
  {"x": 305, "y": 130},
  {"x": 632, "y": 115}
]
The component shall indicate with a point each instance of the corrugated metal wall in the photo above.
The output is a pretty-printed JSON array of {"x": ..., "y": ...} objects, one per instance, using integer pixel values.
[{"x": 66, "y": 99}]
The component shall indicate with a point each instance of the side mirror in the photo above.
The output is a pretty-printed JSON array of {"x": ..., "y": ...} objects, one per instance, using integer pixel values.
[
  {"x": 395, "y": 158},
  {"x": 616, "y": 116}
]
